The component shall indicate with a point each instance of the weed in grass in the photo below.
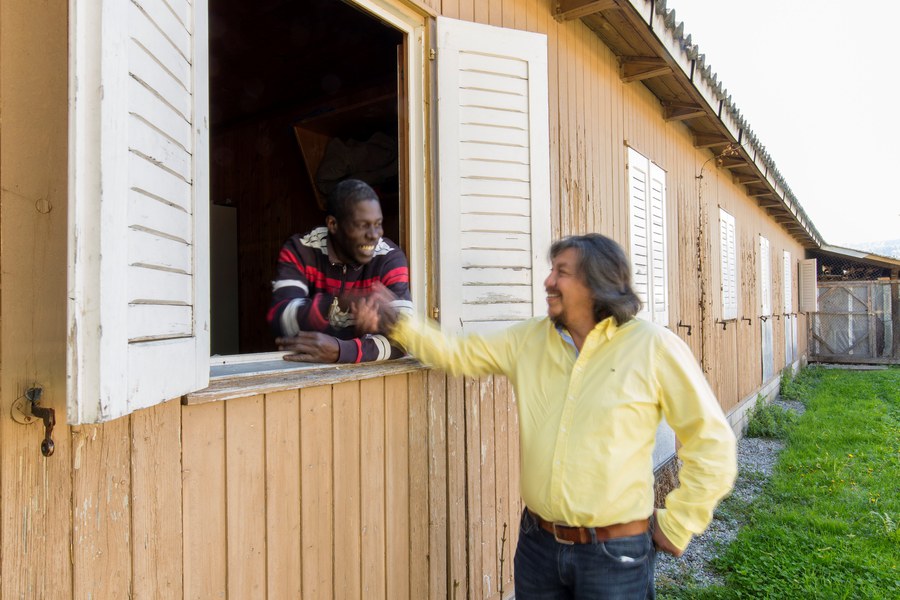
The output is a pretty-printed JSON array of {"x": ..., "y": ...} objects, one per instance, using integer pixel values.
[{"x": 770, "y": 421}]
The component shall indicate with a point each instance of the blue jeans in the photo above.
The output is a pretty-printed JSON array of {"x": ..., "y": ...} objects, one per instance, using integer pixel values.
[{"x": 619, "y": 569}]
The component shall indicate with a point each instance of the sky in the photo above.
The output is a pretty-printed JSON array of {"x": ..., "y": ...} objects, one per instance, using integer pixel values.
[{"x": 819, "y": 85}]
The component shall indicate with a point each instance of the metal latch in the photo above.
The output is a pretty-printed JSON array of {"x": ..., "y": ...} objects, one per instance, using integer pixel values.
[{"x": 26, "y": 410}]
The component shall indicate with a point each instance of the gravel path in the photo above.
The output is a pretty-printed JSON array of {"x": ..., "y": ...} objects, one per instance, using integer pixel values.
[{"x": 756, "y": 459}]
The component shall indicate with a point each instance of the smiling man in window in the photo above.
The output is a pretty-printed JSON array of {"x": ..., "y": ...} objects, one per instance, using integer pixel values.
[{"x": 320, "y": 273}]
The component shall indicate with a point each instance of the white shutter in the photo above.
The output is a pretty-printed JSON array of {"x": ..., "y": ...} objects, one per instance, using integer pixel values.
[
  {"x": 786, "y": 275},
  {"x": 647, "y": 232},
  {"x": 808, "y": 293},
  {"x": 728, "y": 260},
  {"x": 659, "y": 287},
  {"x": 765, "y": 276},
  {"x": 138, "y": 279},
  {"x": 639, "y": 229},
  {"x": 494, "y": 174}
]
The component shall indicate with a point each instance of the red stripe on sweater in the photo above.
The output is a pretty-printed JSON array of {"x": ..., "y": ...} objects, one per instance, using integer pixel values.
[
  {"x": 316, "y": 319},
  {"x": 358, "y": 349},
  {"x": 271, "y": 314},
  {"x": 289, "y": 257},
  {"x": 398, "y": 275}
]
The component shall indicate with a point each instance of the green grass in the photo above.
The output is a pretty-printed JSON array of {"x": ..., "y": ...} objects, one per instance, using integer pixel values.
[{"x": 826, "y": 524}]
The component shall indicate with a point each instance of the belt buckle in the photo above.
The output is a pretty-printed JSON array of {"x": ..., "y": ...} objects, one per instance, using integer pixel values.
[{"x": 561, "y": 541}]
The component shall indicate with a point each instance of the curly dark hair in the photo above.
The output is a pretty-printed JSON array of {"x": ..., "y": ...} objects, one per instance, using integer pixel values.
[
  {"x": 606, "y": 271},
  {"x": 346, "y": 195}
]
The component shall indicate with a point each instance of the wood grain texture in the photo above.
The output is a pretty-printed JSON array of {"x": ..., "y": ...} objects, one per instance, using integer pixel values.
[
  {"x": 283, "y": 517},
  {"x": 156, "y": 513},
  {"x": 204, "y": 497},
  {"x": 347, "y": 493},
  {"x": 246, "y": 497}
]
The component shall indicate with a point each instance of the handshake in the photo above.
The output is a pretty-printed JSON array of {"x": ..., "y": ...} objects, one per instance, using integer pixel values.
[{"x": 375, "y": 312}]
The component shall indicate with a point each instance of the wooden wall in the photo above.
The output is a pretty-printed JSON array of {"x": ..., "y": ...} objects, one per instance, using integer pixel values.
[
  {"x": 412, "y": 477},
  {"x": 354, "y": 490}
]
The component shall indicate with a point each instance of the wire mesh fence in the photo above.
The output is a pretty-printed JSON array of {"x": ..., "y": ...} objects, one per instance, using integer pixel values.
[{"x": 858, "y": 317}]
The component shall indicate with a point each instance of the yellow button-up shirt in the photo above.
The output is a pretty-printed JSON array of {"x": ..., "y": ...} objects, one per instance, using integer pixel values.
[{"x": 588, "y": 420}]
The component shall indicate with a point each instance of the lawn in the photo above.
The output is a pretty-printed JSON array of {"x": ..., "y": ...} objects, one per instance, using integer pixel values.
[{"x": 826, "y": 524}]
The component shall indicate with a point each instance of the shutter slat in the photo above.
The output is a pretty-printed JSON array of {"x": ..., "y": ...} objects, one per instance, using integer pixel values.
[
  {"x": 496, "y": 64},
  {"x": 147, "y": 286},
  {"x": 499, "y": 294},
  {"x": 474, "y": 276},
  {"x": 152, "y": 214},
  {"x": 483, "y": 259},
  {"x": 147, "y": 249}
]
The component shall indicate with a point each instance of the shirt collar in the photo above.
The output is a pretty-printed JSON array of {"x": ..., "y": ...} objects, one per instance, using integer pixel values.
[{"x": 607, "y": 327}]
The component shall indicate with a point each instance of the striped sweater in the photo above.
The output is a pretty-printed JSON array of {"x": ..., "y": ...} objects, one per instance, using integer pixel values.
[{"x": 307, "y": 284}]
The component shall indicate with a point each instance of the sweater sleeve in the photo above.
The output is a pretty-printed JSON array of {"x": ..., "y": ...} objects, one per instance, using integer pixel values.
[
  {"x": 708, "y": 448},
  {"x": 293, "y": 308}
]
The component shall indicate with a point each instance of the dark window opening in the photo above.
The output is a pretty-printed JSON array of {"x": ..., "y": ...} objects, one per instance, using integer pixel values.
[{"x": 298, "y": 91}]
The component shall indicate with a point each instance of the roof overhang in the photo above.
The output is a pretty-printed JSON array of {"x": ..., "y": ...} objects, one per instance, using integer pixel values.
[
  {"x": 875, "y": 260},
  {"x": 651, "y": 48}
]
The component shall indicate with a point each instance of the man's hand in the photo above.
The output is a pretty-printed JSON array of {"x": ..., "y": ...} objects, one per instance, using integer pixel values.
[
  {"x": 374, "y": 313},
  {"x": 661, "y": 541},
  {"x": 310, "y": 346}
]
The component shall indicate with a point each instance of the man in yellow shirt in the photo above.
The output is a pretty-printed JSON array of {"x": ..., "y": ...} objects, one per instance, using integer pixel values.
[{"x": 592, "y": 383}]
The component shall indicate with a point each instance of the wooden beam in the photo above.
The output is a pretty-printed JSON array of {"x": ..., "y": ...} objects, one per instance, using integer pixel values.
[
  {"x": 566, "y": 10},
  {"x": 639, "y": 68},
  {"x": 681, "y": 111},
  {"x": 708, "y": 140},
  {"x": 727, "y": 162},
  {"x": 742, "y": 178},
  {"x": 766, "y": 203}
]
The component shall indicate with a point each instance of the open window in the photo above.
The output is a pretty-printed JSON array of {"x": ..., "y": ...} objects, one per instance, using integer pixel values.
[{"x": 302, "y": 95}]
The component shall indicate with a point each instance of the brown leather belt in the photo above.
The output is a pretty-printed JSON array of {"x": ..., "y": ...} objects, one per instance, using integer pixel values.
[{"x": 566, "y": 534}]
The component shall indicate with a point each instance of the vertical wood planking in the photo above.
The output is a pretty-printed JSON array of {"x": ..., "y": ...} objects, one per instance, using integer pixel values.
[
  {"x": 101, "y": 494},
  {"x": 36, "y": 495},
  {"x": 488, "y": 475},
  {"x": 347, "y": 497},
  {"x": 418, "y": 486},
  {"x": 397, "y": 484},
  {"x": 473, "y": 491},
  {"x": 437, "y": 478},
  {"x": 156, "y": 513},
  {"x": 450, "y": 8},
  {"x": 245, "y": 484},
  {"x": 203, "y": 478},
  {"x": 503, "y": 500},
  {"x": 515, "y": 496},
  {"x": 283, "y": 530},
  {"x": 456, "y": 487},
  {"x": 372, "y": 487},
  {"x": 316, "y": 490},
  {"x": 552, "y": 31}
]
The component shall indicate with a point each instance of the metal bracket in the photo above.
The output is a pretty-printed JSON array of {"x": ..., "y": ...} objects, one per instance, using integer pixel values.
[
  {"x": 26, "y": 410},
  {"x": 689, "y": 327}
]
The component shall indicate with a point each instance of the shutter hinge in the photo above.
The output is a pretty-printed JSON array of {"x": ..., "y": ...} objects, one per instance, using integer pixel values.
[
  {"x": 435, "y": 313},
  {"x": 432, "y": 54}
]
